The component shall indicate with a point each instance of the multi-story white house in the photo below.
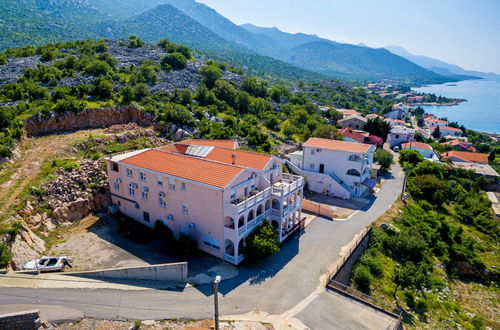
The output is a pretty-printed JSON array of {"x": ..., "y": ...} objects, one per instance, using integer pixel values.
[
  {"x": 446, "y": 131},
  {"x": 214, "y": 194},
  {"x": 336, "y": 167},
  {"x": 400, "y": 134},
  {"x": 398, "y": 111}
]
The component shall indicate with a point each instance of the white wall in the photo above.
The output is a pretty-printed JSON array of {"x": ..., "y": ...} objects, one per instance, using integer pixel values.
[{"x": 337, "y": 162}]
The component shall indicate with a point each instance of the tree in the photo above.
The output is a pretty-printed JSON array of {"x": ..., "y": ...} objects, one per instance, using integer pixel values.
[
  {"x": 384, "y": 158},
  {"x": 127, "y": 94},
  {"x": 98, "y": 68},
  {"x": 327, "y": 132},
  {"x": 175, "y": 60},
  {"x": 211, "y": 74},
  {"x": 491, "y": 156},
  {"x": 412, "y": 157},
  {"x": 378, "y": 128},
  {"x": 254, "y": 86},
  {"x": 261, "y": 243},
  {"x": 134, "y": 42},
  {"x": 436, "y": 133},
  {"x": 103, "y": 88}
]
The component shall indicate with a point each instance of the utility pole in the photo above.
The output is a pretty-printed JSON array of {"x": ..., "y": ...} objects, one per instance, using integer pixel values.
[{"x": 216, "y": 300}]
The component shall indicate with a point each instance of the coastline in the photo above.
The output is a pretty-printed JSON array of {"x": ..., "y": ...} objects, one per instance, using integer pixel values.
[{"x": 454, "y": 102}]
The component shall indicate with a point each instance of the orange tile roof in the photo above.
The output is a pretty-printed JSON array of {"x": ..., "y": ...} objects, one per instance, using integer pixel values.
[
  {"x": 472, "y": 157},
  {"x": 348, "y": 112},
  {"x": 186, "y": 167},
  {"x": 337, "y": 145},
  {"x": 247, "y": 159},
  {"x": 435, "y": 120},
  {"x": 447, "y": 128},
  {"x": 415, "y": 144},
  {"x": 231, "y": 144}
]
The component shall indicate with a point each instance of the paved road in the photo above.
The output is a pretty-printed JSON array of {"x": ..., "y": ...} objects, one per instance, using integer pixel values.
[{"x": 279, "y": 284}]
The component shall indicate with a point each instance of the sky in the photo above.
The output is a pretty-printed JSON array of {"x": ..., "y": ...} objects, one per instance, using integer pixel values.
[{"x": 462, "y": 32}]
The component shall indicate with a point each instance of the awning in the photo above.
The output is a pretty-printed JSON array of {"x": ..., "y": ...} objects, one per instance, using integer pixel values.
[{"x": 370, "y": 183}]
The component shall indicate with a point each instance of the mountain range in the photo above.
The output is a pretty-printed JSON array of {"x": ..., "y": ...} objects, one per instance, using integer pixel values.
[{"x": 267, "y": 52}]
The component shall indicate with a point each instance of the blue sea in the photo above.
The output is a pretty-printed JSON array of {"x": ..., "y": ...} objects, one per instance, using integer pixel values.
[{"x": 481, "y": 112}]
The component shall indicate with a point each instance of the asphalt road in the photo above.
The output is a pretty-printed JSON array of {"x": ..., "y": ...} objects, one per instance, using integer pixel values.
[{"x": 277, "y": 285}]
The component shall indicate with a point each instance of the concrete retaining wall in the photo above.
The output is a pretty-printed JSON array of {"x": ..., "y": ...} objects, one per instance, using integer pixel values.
[
  {"x": 26, "y": 320},
  {"x": 175, "y": 272},
  {"x": 343, "y": 273}
]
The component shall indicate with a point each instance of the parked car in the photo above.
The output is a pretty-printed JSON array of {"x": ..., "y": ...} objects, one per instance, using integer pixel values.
[
  {"x": 47, "y": 264},
  {"x": 396, "y": 148}
]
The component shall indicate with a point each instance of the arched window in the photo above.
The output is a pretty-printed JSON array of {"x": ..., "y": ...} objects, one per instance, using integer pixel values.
[
  {"x": 241, "y": 222},
  {"x": 250, "y": 216},
  {"x": 259, "y": 210},
  {"x": 144, "y": 194},
  {"x": 353, "y": 172},
  {"x": 229, "y": 222}
]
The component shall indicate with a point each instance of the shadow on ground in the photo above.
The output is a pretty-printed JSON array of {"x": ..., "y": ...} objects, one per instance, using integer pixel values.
[{"x": 202, "y": 268}]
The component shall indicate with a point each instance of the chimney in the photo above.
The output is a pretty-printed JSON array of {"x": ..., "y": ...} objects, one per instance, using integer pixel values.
[{"x": 233, "y": 159}]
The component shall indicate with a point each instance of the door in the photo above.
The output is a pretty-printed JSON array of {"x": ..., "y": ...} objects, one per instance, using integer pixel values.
[{"x": 321, "y": 168}]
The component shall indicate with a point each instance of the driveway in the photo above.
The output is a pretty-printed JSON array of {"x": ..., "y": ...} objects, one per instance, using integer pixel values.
[{"x": 283, "y": 282}]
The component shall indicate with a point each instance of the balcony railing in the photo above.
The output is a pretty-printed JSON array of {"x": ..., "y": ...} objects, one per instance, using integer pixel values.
[
  {"x": 250, "y": 225},
  {"x": 288, "y": 184}
]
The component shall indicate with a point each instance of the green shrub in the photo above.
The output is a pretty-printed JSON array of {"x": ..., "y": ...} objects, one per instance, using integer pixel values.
[
  {"x": 362, "y": 278},
  {"x": 384, "y": 158},
  {"x": 134, "y": 42},
  {"x": 261, "y": 243},
  {"x": 5, "y": 255},
  {"x": 372, "y": 263},
  {"x": 175, "y": 60}
]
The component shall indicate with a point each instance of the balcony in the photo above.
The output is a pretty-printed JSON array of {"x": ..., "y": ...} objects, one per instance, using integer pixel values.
[
  {"x": 233, "y": 260},
  {"x": 233, "y": 233},
  {"x": 287, "y": 185}
]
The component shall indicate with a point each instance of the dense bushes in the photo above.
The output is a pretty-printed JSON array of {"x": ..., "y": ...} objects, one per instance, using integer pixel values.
[
  {"x": 175, "y": 60},
  {"x": 384, "y": 158},
  {"x": 261, "y": 243}
]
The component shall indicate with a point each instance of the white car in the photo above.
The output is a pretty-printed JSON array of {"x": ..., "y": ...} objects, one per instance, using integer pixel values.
[
  {"x": 396, "y": 148},
  {"x": 47, "y": 264}
]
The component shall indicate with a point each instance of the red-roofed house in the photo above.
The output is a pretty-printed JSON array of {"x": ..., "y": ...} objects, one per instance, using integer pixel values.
[
  {"x": 351, "y": 135},
  {"x": 462, "y": 145},
  {"x": 213, "y": 194},
  {"x": 467, "y": 157},
  {"x": 424, "y": 149},
  {"x": 447, "y": 131},
  {"x": 436, "y": 122},
  {"x": 340, "y": 168}
]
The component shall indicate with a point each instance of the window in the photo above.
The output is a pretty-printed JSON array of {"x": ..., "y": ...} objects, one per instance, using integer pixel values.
[
  {"x": 144, "y": 194},
  {"x": 353, "y": 172},
  {"x": 318, "y": 150},
  {"x": 311, "y": 166},
  {"x": 117, "y": 184},
  {"x": 145, "y": 216},
  {"x": 211, "y": 242},
  {"x": 114, "y": 167},
  {"x": 129, "y": 172},
  {"x": 171, "y": 184},
  {"x": 397, "y": 136},
  {"x": 159, "y": 181},
  {"x": 142, "y": 176},
  {"x": 312, "y": 152},
  {"x": 185, "y": 209},
  {"x": 161, "y": 199},
  {"x": 131, "y": 188},
  {"x": 233, "y": 194},
  {"x": 183, "y": 185}
]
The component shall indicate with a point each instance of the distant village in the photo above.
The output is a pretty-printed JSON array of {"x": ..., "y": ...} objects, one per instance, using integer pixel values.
[{"x": 405, "y": 94}]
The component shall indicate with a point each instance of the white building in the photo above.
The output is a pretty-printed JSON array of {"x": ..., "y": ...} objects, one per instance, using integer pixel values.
[
  {"x": 447, "y": 131},
  {"x": 337, "y": 167},
  {"x": 399, "y": 111},
  {"x": 424, "y": 149},
  {"x": 400, "y": 135}
]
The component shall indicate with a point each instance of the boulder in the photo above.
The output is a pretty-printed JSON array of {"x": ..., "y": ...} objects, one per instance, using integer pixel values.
[
  {"x": 72, "y": 211},
  {"x": 100, "y": 201},
  {"x": 26, "y": 246}
]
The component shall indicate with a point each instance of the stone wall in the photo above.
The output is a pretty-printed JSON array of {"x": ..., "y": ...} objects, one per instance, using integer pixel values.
[
  {"x": 26, "y": 320},
  {"x": 88, "y": 118}
]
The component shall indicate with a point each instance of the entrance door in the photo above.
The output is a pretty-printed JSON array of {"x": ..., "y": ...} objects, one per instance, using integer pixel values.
[{"x": 321, "y": 168}]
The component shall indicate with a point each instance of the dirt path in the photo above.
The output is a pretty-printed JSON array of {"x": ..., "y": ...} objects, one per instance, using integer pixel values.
[{"x": 34, "y": 153}]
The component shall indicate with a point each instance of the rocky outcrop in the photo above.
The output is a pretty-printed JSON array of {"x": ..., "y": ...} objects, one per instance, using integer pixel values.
[
  {"x": 88, "y": 118},
  {"x": 25, "y": 246},
  {"x": 72, "y": 211}
]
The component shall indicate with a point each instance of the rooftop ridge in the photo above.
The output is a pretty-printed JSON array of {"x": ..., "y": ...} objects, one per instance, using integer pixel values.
[{"x": 199, "y": 158}]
